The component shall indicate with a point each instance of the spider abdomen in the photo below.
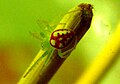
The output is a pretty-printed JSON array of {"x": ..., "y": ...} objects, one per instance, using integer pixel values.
[{"x": 61, "y": 38}]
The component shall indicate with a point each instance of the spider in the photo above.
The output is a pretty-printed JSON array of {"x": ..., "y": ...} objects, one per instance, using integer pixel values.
[
  {"x": 64, "y": 35},
  {"x": 58, "y": 39}
]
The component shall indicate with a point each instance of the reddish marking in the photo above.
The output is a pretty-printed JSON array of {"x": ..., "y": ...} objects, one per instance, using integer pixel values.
[{"x": 64, "y": 37}]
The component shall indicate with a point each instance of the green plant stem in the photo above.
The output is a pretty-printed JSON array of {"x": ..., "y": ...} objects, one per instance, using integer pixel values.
[{"x": 78, "y": 20}]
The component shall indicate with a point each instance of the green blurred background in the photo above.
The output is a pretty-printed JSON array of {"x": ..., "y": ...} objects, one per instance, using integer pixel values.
[{"x": 18, "y": 48}]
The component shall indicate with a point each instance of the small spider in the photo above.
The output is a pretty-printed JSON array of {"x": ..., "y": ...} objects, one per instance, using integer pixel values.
[{"x": 73, "y": 23}]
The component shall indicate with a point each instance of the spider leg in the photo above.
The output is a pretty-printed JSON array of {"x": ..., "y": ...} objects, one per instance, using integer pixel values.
[
  {"x": 47, "y": 60},
  {"x": 45, "y": 26},
  {"x": 35, "y": 63},
  {"x": 36, "y": 35},
  {"x": 46, "y": 53}
]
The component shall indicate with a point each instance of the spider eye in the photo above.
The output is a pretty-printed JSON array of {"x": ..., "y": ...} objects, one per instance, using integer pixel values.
[{"x": 61, "y": 38}]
